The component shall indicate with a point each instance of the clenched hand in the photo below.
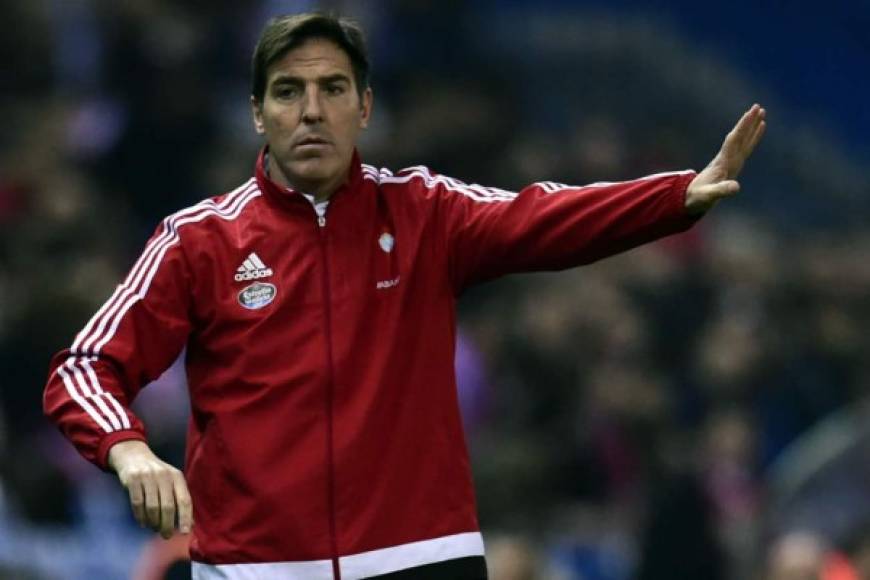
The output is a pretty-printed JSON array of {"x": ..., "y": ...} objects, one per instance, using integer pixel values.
[
  {"x": 717, "y": 180},
  {"x": 158, "y": 492}
]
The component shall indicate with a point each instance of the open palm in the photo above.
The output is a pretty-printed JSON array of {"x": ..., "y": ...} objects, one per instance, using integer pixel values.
[{"x": 718, "y": 179}]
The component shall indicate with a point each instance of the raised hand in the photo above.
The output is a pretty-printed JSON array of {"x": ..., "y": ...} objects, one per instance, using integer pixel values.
[
  {"x": 718, "y": 179},
  {"x": 158, "y": 491}
]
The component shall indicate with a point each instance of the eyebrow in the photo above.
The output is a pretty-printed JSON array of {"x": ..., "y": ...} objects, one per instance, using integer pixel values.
[{"x": 328, "y": 79}]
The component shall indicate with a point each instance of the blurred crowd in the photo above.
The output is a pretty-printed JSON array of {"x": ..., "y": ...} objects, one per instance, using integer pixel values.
[{"x": 693, "y": 409}]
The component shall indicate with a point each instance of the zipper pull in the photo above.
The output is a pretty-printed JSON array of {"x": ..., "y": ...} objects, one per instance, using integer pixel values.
[{"x": 321, "y": 220}]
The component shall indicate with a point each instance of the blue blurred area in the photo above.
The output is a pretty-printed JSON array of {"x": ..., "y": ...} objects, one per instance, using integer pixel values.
[{"x": 812, "y": 57}]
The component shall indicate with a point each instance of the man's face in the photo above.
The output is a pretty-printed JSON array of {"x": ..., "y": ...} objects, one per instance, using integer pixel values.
[{"x": 311, "y": 115}]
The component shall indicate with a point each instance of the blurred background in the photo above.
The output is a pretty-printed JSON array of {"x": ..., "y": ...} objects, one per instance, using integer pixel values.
[{"x": 696, "y": 409}]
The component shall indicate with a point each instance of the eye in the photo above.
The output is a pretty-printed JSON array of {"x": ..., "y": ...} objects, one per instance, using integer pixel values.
[
  {"x": 335, "y": 89},
  {"x": 286, "y": 92}
]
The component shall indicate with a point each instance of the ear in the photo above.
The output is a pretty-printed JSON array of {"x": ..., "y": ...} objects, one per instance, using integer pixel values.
[
  {"x": 257, "y": 112},
  {"x": 366, "y": 108}
]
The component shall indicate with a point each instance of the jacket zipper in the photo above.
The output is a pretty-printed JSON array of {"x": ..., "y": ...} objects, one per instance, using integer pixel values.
[{"x": 327, "y": 297}]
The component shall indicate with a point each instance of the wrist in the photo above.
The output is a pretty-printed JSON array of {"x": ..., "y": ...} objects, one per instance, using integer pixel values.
[
  {"x": 102, "y": 455},
  {"x": 122, "y": 451}
]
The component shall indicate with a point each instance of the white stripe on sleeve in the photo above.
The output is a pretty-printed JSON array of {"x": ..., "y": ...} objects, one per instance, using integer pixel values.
[{"x": 134, "y": 288}]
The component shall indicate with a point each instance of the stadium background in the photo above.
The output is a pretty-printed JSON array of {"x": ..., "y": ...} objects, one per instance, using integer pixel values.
[{"x": 697, "y": 408}]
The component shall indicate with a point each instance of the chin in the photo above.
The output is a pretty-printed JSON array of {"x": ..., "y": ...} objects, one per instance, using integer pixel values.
[{"x": 313, "y": 169}]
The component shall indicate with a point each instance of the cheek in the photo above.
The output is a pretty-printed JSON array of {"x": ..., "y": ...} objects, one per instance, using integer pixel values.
[
  {"x": 275, "y": 124},
  {"x": 350, "y": 125},
  {"x": 279, "y": 118}
]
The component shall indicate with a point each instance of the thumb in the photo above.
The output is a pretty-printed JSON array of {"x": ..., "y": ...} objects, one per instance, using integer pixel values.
[
  {"x": 702, "y": 197},
  {"x": 722, "y": 189},
  {"x": 716, "y": 190}
]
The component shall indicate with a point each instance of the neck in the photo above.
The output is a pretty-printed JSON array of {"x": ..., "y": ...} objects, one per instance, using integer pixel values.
[{"x": 321, "y": 190}]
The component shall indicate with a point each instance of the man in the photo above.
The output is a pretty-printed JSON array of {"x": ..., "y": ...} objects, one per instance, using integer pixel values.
[{"x": 317, "y": 305}]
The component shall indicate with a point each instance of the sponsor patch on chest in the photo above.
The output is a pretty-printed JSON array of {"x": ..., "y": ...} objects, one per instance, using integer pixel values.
[{"x": 257, "y": 295}]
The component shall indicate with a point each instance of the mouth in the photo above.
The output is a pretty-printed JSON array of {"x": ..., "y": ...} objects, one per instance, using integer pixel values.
[{"x": 312, "y": 142}]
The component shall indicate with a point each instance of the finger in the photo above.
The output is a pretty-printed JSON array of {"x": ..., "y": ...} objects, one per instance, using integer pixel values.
[
  {"x": 755, "y": 121},
  {"x": 167, "y": 504},
  {"x": 152, "y": 502},
  {"x": 759, "y": 133},
  {"x": 741, "y": 142},
  {"x": 183, "y": 503},
  {"x": 137, "y": 501},
  {"x": 744, "y": 127}
]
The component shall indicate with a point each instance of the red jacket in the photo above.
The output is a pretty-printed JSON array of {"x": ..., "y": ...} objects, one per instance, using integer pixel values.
[{"x": 325, "y": 435}]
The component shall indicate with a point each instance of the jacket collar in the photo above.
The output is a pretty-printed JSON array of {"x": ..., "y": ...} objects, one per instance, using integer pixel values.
[{"x": 288, "y": 194}]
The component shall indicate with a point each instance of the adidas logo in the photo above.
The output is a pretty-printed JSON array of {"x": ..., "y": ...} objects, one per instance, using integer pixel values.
[{"x": 252, "y": 268}]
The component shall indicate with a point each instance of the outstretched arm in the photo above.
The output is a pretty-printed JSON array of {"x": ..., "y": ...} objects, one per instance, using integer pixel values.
[{"x": 718, "y": 179}]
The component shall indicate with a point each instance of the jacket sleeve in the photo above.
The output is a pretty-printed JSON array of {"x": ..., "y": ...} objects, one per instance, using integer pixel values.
[
  {"x": 129, "y": 342},
  {"x": 549, "y": 226}
]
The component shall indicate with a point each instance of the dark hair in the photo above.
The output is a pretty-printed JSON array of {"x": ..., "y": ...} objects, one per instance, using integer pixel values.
[{"x": 284, "y": 33}]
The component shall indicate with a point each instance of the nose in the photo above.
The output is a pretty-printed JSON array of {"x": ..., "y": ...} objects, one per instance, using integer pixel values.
[{"x": 311, "y": 109}]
